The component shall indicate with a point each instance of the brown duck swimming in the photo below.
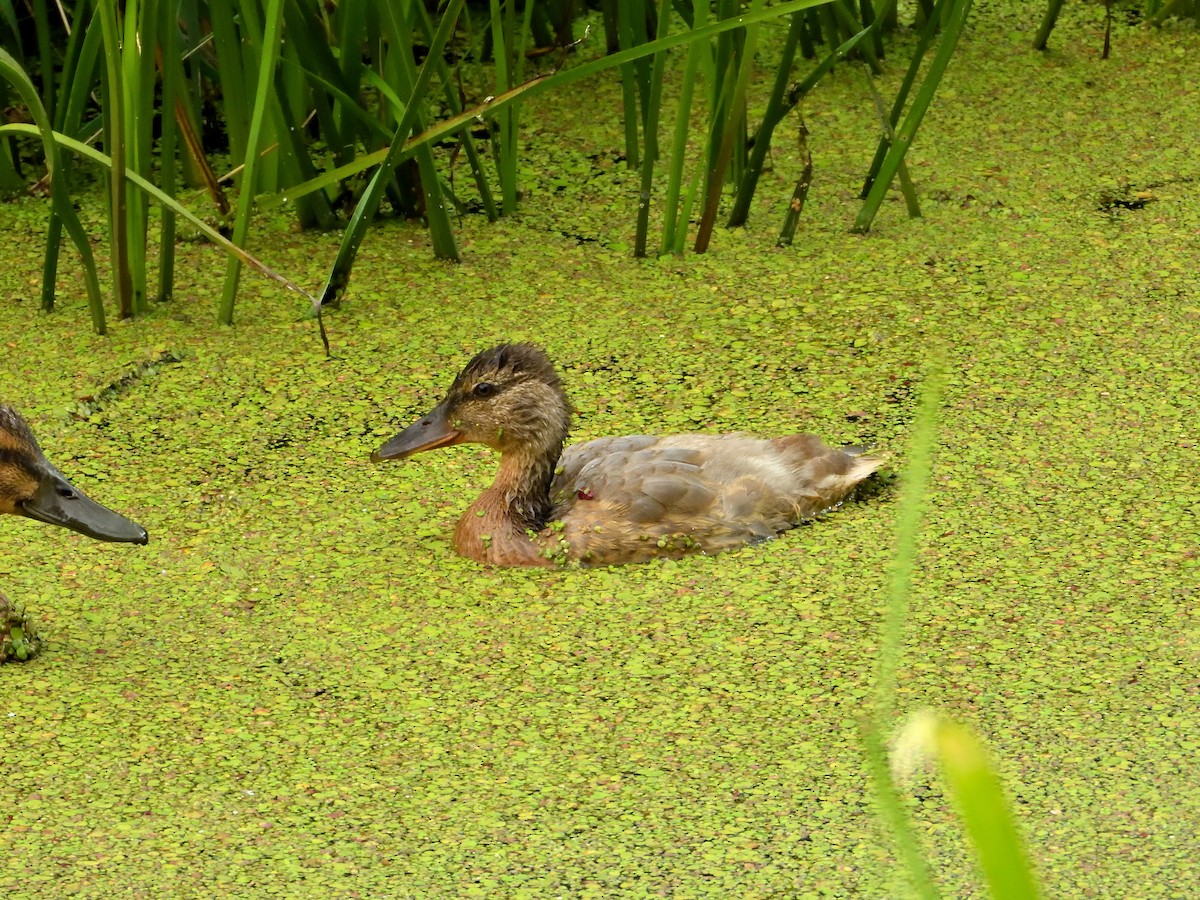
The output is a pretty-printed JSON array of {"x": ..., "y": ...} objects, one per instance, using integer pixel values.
[
  {"x": 619, "y": 499},
  {"x": 31, "y": 486}
]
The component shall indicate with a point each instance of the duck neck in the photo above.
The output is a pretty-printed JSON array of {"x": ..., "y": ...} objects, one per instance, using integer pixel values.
[
  {"x": 522, "y": 487},
  {"x": 495, "y": 529}
]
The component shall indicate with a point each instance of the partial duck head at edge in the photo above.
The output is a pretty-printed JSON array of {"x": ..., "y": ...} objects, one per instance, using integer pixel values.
[{"x": 30, "y": 486}]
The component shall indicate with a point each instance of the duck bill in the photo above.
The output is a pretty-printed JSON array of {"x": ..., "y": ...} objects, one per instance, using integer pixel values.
[
  {"x": 57, "y": 502},
  {"x": 428, "y": 432}
]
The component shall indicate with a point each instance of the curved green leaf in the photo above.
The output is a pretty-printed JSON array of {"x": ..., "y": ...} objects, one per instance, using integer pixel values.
[
  {"x": 169, "y": 202},
  {"x": 268, "y": 55}
]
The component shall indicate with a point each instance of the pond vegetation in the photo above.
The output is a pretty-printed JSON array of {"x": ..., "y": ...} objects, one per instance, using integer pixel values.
[{"x": 298, "y": 687}]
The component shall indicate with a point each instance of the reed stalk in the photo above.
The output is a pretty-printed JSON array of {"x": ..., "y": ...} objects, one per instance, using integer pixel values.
[
  {"x": 268, "y": 55},
  {"x": 1053, "y": 8},
  {"x": 113, "y": 109},
  {"x": 957, "y": 12},
  {"x": 909, "y": 511},
  {"x": 683, "y": 112},
  {"x": 732, "y": 125},
  {"x": 60, "y": 198},
  {"x": 650, "y": 135},
  {"x": 172, "y": 83},
  {"x": 772, "y": 116},
  {"x": 400, "y": 64},
  {"x": 364, "y": 211}
]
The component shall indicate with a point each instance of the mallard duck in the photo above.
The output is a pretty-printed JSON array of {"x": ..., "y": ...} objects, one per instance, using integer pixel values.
[
  {"x": 31, "y": 486},
  {"x": 617, "y": 499}
]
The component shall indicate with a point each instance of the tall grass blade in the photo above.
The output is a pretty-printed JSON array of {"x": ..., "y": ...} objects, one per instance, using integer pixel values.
[
  {"x": 907, "y": 188},
  {"x": 721, "y": 78},
  {"x": 401, "y": 62},
  {"x": 531, "y": 88},
  {"x": 910, "y": 509},
  {"x": 157, "y": 195},
  {"x": 1155, "y": 17},
  {"x": 685, "y": 213},
  {"x": 956, "y": 20},
  {"x": 79, "y": 67},
  {"x": 113, "y": 108},
  {"x": 454, "y": 103},
  {"x": 187, "y": 108},
  {"x": 339, "y": 112},
  {"x": 268, "y": 56},
  {"x": 8, "y": 17},
  {"x": 508, "y": 42},
  {"x": 640, "y": 14},
  {"x": 1053, "y": 8},
  {"x": 231, "y": 70},
  {"x": 827, "y": 25},
  {"x": 11, "y": 182},
  {"x": 172, "y": 85},
  {"x": 928, "y": 31},
  {"x": 773, "y": 115},
  {"x": 891, "y": 810},
  {"x": 623, "y": 15},
  {"x": 295, "y": 164},
  {"x": 908, "y": 521},
  {"x": 348, "y": 24},
  {"x": 869, "y": 18},
  {"x": 650, "y": 134},
  {"x": 339, "y": 275},
  {"x": 60, "y": 196},
  {"x": 733, "y": 126},
  {"x": 800, "y": 194},
  {"x": 41, "y": 20},
  {"x": 849, "y": 26},
  {"x": 139, "y": 44},
  {"x": 978, "y": 795},
  {"x": 506, "y": 158},
  {"x": 683, "y": 113},
  {"x": 758, "y": 156}
]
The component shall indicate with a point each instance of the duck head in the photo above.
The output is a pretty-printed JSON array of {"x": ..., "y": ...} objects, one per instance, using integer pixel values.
[
  {"x": 508, "y": 398},
  {"x": 31, "y": 486}
]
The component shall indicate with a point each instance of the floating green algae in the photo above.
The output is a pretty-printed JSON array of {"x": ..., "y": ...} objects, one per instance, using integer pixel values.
[{"x": 297, "y": 688}]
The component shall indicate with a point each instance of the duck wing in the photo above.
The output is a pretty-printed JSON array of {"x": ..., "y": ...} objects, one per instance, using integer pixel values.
[{"x": 632, "y": 498}]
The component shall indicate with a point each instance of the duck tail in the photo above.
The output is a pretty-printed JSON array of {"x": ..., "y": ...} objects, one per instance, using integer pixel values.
[{"x": 864, "y": 464}]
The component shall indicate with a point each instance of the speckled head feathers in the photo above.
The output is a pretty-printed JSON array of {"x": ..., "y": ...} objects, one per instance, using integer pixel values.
[
  {"x": 16, "y": 431},
  {"x": 504, "y": 365},
  {"x": 509, "y": 398}
]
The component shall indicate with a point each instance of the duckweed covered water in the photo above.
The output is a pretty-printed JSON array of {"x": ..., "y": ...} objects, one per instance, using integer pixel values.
[{"x": 297, "y": 689}]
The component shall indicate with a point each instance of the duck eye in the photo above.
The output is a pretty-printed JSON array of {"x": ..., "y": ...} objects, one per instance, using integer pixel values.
[{"x": 484, "y": 389}]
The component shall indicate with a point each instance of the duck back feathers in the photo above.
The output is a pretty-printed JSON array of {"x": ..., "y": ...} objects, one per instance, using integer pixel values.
[{"x": 640, "y": 497}]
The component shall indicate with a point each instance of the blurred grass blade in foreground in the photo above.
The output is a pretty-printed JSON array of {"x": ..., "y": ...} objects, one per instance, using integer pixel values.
[{"x": 979, "y": 796}]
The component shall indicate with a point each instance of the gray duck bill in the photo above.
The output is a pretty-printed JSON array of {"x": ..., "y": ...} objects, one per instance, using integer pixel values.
[
  {"x": 58, "y": 502},
  {"x": 428, "y": 432}
]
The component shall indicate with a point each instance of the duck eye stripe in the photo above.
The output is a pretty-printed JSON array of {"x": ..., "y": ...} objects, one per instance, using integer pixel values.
[{"x": 18, "y": 458}]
